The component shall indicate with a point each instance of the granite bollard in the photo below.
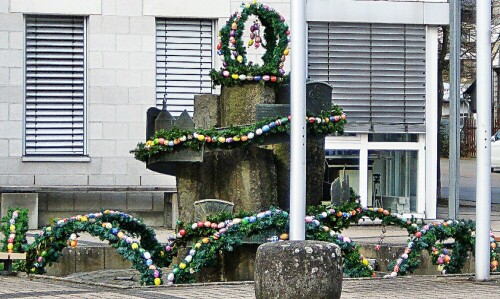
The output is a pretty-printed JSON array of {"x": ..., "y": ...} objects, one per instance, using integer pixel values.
[{"x": 298, "y": 269}]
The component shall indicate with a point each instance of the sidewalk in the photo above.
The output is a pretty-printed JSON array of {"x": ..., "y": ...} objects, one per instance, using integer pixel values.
[{"x": 406, "y": 287}]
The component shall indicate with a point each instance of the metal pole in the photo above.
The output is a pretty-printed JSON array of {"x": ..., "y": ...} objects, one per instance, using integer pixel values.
[
  {"x": 298, "y": 123},
  {"x": 483, "y": 135},
  {"x": 455, "y": 39}
]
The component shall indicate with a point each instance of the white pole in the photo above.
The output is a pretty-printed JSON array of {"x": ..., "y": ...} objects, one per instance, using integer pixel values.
[
  {"x": 483, "y": 135},
  {"x": 455, "y": 46},
  {"x": 298, "y": 123}
]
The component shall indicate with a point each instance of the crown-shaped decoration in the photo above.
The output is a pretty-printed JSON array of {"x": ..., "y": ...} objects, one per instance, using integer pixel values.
[{"x": 232, "y": 51}]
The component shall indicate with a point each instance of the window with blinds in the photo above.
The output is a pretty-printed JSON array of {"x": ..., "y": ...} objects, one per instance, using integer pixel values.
[
  {"x": 183, "y": 62},
  {"x": 377, "y": 72},
  {"x": 55, "y": 85}
]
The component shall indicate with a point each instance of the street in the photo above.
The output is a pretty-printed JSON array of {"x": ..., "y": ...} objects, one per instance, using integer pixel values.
[{"x": 468, "y": 181}]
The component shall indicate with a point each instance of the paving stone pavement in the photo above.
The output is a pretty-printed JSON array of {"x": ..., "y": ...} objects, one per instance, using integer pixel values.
[{"x": 406, "y": 287}]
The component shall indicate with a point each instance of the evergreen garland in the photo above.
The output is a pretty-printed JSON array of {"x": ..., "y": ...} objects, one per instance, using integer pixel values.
[
  {"x": 236, "y": 68},
  {"x": 14, "y": 227},
  {"x": 326, "y": 122}
]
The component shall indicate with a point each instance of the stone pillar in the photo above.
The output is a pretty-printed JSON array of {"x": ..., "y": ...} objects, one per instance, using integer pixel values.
[
  {"x": 243, "y": 176},
  {"x": 298, "y": 269},
  {"x": 23, "y": 201},
  {"x": 315, "y": 165},
  {"x": 238, "y": 103}
]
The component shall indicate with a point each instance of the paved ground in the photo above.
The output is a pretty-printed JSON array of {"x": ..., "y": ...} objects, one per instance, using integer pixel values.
[{"x": 407, "y": 287}]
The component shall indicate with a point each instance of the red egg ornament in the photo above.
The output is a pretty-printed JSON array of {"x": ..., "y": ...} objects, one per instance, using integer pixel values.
[{"x": 182, "y": 232}]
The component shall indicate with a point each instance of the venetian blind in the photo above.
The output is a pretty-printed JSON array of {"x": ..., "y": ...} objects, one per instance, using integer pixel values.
[
  {"x": 183, "y": 62},
  {"x": 377, "y": 72},
  {"x": 55, "y": 85}
]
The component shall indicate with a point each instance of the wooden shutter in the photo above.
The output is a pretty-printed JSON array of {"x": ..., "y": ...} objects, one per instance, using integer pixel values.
[
  {"x": 55, "y": 85},
  {"x": 183, "y": 62},
  {"x": 377, "y": 72}
]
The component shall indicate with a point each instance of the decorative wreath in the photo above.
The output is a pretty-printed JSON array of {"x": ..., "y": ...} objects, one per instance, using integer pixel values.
[{"x": 232, "y": 51}]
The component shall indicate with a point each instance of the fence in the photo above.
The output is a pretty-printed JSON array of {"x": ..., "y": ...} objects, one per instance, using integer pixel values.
[{"x": 468, "y": 137}]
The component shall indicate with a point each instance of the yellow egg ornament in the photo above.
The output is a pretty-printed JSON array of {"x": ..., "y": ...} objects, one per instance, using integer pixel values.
[
  {"x": 250, "y": 42},
  {"x": 235, "y": 76},
  {"x": 10, "y": 246},
  {"x": 12, "y": 228},
  {"x": 157, "y": 281},
  {"x": 182, "y": 266},
  {"x": 365, "y": 262},
  {"x": 286, "y": 52},
  {"x": 240, "y": 59},
  {"x": 135, "y": 246}
]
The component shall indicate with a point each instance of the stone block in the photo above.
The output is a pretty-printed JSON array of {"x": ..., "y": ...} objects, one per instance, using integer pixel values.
[
  {"x": 142, "y": 25},
  {"x": 127, "y": 180},
  {"x": 89, "y": 259},
  {"x": 23, "y": 201},
  {"x": 95, "y": 130},
  {"x": 129, "y": 42},
  {"x": 139, "y": 201},
  {"x": 4, "y": 111},
  {"x": 15, "y": 147},
  {"x": 115, "y": 25},
  {"x": 95, "y": 24},
  {"x": 158, "y": 180},
  {"x": 16, "y": 40},
  {"x": 4, "y": 40},
  {"x": 142, "y": 60},
  {"x": 95, "y": 60},
  {"x": 154, "y": 219},
  {"x": 114, "y": 95},
  {"x": 102, "y": 77},
  {"x": 102, "y": 42},
  {"x": 142, "y": 95},
  {"x": 61, "y": 180},
  {"x": 11, "y": 129},
  {"x": 16, "y": 111},
  {"x": 239, "y": 265},
  {"x": 102, "y": 148},
  {"x": 126, "y": 78},
  {"x": 95, "y": 95},
  {"x": 65, "y": 265},
  {"x": 42, "y": 201},
  {"x": 298, "y": 269},
  {"x": 4, "y": 74},
  {"x": 206, "y": 111},
  {"x": 238, "y": 103},
  {"x": 113, "y": 260},
  {"x": 80, "y": 7},
  {"x": 108, "y": 7},
  {"x": 115, "y": 60},
  {"x": 11, "y": 58},
  {"x": 16, "y": 76},
  {"x": 101, "y": 180},
  {"x": 87, "y": 202},
  {"x": 111, "y": 130},
  {"x": 17, "y": 180},
  {"x": 128, "y": 113},
  {"x": 4, "y": 6},
  {"x": 129, "y": 7},
  {"x": 158, "y": 201},
  {"x": 60, "y": 202},
  {"x": 4, "y": 148},
  {"x": 104, "y": 113},
  {"x": 114, "y": 201}
]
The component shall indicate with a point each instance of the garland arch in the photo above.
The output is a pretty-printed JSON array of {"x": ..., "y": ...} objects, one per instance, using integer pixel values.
[
  {"x": 146, "y": 255},
  {"x": 231, "y": 48}
]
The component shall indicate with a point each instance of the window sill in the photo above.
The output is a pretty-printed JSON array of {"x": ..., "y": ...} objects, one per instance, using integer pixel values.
[{"x": 78, "y": 159}]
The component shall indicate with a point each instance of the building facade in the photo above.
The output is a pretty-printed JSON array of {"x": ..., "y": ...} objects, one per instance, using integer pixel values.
[{"x": 76, "y": 79}]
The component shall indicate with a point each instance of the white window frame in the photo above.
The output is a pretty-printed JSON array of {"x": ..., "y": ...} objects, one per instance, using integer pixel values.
[{"x": 56, "y": 157}]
